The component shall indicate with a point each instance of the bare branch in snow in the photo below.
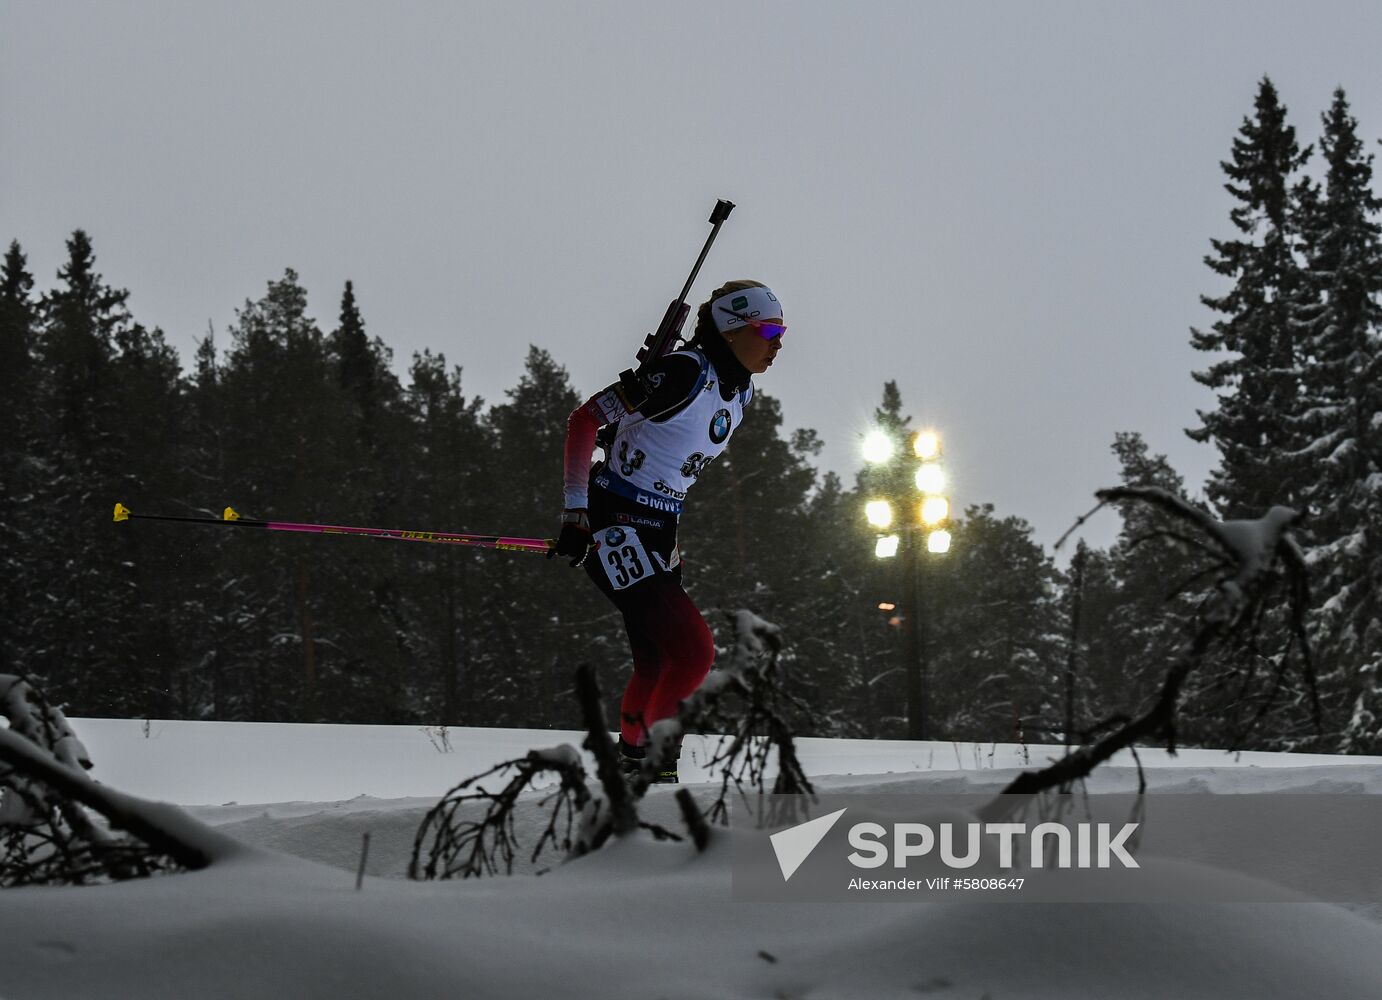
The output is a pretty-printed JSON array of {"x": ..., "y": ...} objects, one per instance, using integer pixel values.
[
  {"x": 622, "y": 814},
  {"x": 466, "y": 846},
  {"x": 581, "y": 818},
  {"x": 1251, "y": 560},
  {"x": 470, "y": 832}
]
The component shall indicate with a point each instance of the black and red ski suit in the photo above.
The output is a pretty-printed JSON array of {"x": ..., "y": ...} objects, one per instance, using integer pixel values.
[{"x": 633, "y": 504}]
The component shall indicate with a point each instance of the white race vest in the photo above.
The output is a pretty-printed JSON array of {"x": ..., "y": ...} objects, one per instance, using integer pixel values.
[{"x": 663, "y": 460}]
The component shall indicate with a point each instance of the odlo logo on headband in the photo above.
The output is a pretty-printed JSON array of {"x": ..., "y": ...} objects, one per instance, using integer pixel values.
[{"x": 739, "y": 303}]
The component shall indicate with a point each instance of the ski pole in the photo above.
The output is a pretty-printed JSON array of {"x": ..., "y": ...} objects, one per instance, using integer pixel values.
[{"x": 230, "y": 519}]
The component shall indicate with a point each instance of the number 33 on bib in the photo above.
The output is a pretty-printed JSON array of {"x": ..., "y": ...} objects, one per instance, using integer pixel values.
[{"x": 623, "y": 557}]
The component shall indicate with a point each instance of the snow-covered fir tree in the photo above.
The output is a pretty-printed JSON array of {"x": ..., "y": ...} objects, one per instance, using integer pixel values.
[
  {"x": 106, "y": 392},
  {"x": 1259, "y": 380},
  {"x": 536, "y": 614},
  {"x": 1132, "y": 620},
  {"x": 991, "y": 605},
  {"x": 315, "y": 617},
  {"x": 450, "y": 635},
  {"x": 19, "y": 389},
  {"x": 1339, "y": 325}
]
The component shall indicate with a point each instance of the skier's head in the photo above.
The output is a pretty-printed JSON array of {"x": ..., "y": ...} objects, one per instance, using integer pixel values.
[{"x": 746, "y": 316}]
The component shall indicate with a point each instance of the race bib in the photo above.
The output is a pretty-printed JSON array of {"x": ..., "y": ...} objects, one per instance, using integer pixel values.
[{"x": 622, "y": 555}]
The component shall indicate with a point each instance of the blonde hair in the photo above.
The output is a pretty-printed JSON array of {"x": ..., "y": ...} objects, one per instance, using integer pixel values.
[{"x": 705, "y": 323}]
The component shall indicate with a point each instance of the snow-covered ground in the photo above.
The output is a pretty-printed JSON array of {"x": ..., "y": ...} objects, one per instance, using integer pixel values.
[
  {"x": 210, "y": 763},
  {"x": 282, "y": 916}
]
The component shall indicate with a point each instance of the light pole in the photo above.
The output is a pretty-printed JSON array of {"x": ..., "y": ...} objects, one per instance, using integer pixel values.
[{"x": 922, "y": 495}]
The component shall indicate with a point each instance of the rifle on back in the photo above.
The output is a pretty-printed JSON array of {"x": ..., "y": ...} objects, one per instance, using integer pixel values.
[{"x": 633, "y": 386}]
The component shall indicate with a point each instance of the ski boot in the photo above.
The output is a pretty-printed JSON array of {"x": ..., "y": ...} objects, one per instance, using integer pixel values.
[
  {"x": 667, "y": 773},
  {"x": 631, "y": 760}
]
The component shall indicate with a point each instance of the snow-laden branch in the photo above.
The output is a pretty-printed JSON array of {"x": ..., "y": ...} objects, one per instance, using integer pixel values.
[
  {"x": 468, "y": 845},
  {"x": 47, "y": 834},
  {"x": 1250, "y": 557}
]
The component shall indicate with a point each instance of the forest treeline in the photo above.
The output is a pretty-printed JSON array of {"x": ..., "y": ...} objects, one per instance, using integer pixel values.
[{"x": 288, "y": 420}]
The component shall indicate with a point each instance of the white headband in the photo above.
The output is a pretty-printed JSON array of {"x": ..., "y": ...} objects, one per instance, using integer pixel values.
[{"x": 751, "y": 303}]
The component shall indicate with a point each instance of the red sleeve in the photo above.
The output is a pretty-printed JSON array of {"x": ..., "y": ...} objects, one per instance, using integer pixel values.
[{"x": 585, "y": 420}]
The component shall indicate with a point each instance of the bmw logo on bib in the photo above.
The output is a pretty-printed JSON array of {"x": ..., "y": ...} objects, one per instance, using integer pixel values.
[
  {"x": 719, "y": 426},
  {"x": 614, "y": 536}
]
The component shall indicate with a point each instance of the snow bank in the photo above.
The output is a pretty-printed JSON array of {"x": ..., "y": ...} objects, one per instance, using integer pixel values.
[
  {"x": 641, "y": 919},
  {"x": 212, "y": 763}
]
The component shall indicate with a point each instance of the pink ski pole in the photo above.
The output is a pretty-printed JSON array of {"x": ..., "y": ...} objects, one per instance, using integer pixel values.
[{"x": 230, "y": 519}]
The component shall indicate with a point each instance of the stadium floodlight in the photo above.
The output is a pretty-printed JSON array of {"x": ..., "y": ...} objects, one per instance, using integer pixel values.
[
  {"x": 878, "y": 446},
  {"x": 938, "y": 541},
  {"x": 934, "y": 510},
  {"x": 927, "y": 444},
  {"x": 879, "y": 513},
  {"x": 930, "y": 477},
  {"x": 886, "y": 547}
]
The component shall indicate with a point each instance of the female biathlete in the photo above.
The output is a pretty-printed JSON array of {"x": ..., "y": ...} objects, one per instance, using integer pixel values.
[{"x": 628, "y": 504}]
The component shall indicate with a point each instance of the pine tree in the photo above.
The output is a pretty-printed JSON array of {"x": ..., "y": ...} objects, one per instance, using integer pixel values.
[
  {"x": 1342, "y": 335},
  {"x": 77, "y": 348},
  {"x": 451, "y": 639},
  {"x": 17, "y": 318},
  {"x": 105, "y": 382},
  {"x": 154, "y": 450},
  {"x": 378, "y": 436},
  {"x": 839, "y": 644},
  {"x": 365, "y": 374},
  {"x": 991, "y": 602},
  {"x": 317, "y": 652},
  {"x": 357, "y": 367},
  {"x": 1260, "y": 381},
  {"x": 542, "y": 610},
  {"x": 19, "y": 390},
  {"x": 1134, "y": 613},
  {"x": 224, "y": 629},
  {"x": 74, "y": 448}
]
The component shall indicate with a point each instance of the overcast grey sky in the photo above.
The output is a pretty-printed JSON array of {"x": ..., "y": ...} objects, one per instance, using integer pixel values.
[{"x": 1003, "y": 206}]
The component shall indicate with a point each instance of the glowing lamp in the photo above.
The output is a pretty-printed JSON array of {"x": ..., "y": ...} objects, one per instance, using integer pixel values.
[
  {"x": 931, "y": 478},
  {"x": 927, "y": 444},
  {"x": 886, "y": 547},
  {"x": 938, "y": 541},
  {"x": 879, "y": 513},
  {"x": 934, "y": 510},
  {"x": 878, "y": 447}
]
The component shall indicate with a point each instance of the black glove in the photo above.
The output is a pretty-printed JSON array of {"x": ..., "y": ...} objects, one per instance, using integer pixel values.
[{"x": 575, "y": 540}]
